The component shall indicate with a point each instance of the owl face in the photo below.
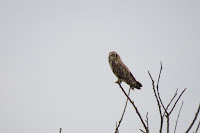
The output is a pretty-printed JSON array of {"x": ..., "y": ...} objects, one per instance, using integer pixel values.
[{"x": 113, "y": 56}]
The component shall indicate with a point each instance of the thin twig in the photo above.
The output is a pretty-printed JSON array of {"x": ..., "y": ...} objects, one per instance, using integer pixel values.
[
  {"x": 158, "y": 102},
  {"x": 193, "y": 119},
  {"x": 117, "y": 126},
  {"x": 159, "y": 74},
  {"x": 177, "y": 101},
  {"x": 172, "y": 99},
  {"x": 197, "y": 127},
  {"x": 178, "y": 117},
  {"x": 169, "y": 103},
  {"x": 138, "y": 113},
  {"x": 116, "y": 130},
  {"x": 158, "y": 87},
  {"x": 147, "y": 120},
  {"x": 142, "y": 131},
  {"x": 168, "y": 114},
  {"x": 155, "y": 94}
]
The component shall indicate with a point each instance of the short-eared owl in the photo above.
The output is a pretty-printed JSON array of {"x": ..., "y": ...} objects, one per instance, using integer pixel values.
[{"x": 121, "y": 71}]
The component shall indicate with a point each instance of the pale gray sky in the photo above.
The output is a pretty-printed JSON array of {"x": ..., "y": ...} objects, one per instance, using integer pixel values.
[{"x": 54, "y": 70}]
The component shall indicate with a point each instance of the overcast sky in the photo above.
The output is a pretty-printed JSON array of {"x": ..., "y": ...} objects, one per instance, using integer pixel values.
[{"x": 54, "y": 70}]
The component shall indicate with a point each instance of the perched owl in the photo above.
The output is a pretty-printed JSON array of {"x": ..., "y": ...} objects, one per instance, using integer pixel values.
[{"x": 121, "y": 71}]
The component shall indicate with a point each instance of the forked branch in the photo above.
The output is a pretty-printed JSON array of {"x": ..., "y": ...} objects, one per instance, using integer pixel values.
[
  {"x": 164, "y": 111},
  {"x": 138, "y": 113},
  {"x": 160, "y": 103},
  {"x": 156, "y": 94}
]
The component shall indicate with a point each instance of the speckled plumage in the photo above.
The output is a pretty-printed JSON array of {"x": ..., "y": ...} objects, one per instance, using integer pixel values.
[{"x": 121, "y": 71}]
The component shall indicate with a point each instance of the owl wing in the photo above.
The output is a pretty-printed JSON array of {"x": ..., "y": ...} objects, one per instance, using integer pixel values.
[{"x": 122, "y": 72}]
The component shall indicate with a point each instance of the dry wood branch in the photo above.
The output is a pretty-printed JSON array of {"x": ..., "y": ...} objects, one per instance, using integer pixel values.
[
  {"x": 167, "y": 122},
  {"x": 160, "y": 100},
  {"x": 138, "y": 113},
  {"x": 168, "y": 113},
  {"x": 172, "y": 99},
  {"x": 177, "y": 101},
  {"x": 193, "y": 119},
  {"x": 155, "y": 94},
  {"x": 169, "y": 104},
  {"x": 117, "y": 126},
  {"x": 147, "y": 120},
  {"x": 158, "y": 103},
  {"x": 178, "y": 117},
  {"x": 164, "y": 111},
  {"x": 197, "y": 127},
  {"x": 159, "y": 75},
  {"x": 142, "y": 131},
  {"x": 158, "y": 87}
]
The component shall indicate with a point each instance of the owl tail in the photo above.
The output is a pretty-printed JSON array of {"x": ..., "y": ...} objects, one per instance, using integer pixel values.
[{"x": 137, "y": 85}]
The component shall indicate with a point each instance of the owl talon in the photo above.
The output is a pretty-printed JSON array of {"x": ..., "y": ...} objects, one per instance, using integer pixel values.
[{"x": 118, "y": 82}]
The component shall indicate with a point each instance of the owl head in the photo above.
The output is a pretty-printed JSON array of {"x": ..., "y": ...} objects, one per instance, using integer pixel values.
[{"x": 113, "y": 56}]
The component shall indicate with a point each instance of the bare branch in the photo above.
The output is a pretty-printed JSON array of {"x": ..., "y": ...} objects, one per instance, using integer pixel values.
[
  {"x": 172, "y": 99},
  {"x": 169, "y": 104},
  {"x": 178, "y": 117},
  {"x": 147, "y": 120},
  {"x": 167, "y": 122},
  {"x": 193, "y": 119},
  {"x": 197, "y": 127},
  {"x": 158, "y": 87},
  {"x": 177, "y": 101},
  {"x": 164, "y": 111},
  {"x": 117, "y": 126},
  {"x": 142, "y": 131},
  {"x": 116, "y": 130},
  {"x": 168, "y": 113},
  {"x": 158, "y": 102},
  {"x": 60, "y": 130},
  {"x": 155, "y": 94},
  {"x": 159, "y": 75},
  {"x": 138, "y": 113}
]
